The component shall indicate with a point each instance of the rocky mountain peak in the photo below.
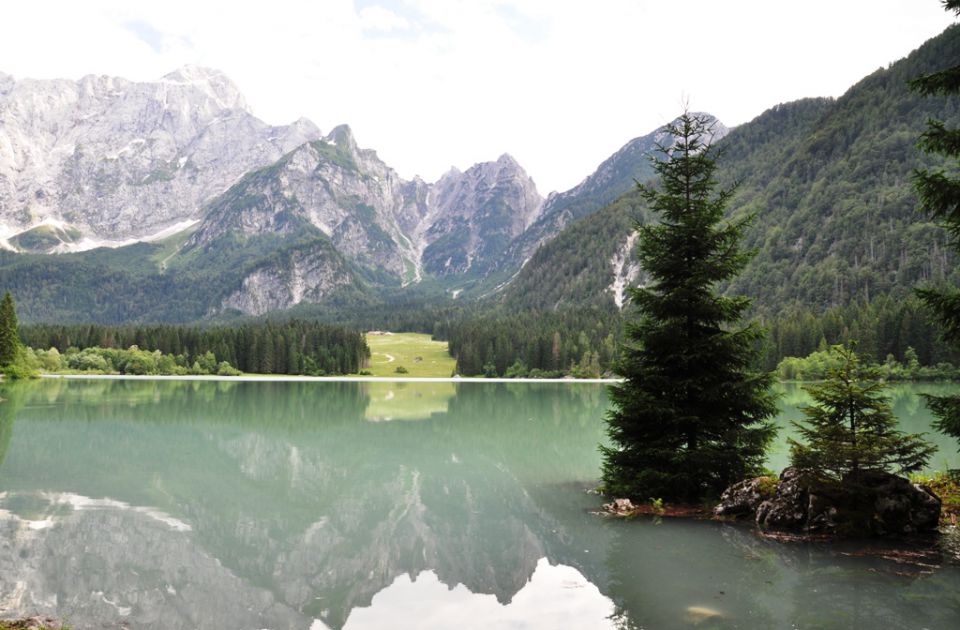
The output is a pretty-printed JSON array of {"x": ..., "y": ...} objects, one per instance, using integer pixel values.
[
  {"x": 6, "y": 83},
  {"x": 112, "y": 160},
  {"x": 213, "y": 83},
  {"x": 342, "y": 135},
  {"x": 716, "y": 131}
]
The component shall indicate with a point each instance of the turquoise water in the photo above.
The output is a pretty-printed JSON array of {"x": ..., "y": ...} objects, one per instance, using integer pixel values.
[{"x": 157, "y": 504}]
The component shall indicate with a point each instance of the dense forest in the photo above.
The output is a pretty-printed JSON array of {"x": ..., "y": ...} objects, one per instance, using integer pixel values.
[{"x": 288, "y": 347}]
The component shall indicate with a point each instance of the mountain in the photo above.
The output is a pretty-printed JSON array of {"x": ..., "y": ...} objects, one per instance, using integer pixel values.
[
  {"x": 329, "y": 186},
  {"x": 397, "y": 231},
  {"x": 245, "y": 219},
  {"x": 104, "y": 160},
  {"x": 828, "y": 184},
  {"x": 475, "y": 215},
  {"x": 316, "y": 220},
  {"x": 355, "y": 221},
  {"x": 617, "y": 175}
]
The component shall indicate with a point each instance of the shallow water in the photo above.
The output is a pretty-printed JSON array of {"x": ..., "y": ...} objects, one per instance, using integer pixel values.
[{"x": 393, "y": 505}]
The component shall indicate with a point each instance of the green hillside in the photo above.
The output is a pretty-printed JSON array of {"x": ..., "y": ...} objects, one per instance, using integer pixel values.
[{"x": 828, "y": 182}]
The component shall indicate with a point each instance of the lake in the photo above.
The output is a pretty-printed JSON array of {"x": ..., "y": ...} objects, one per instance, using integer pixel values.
[{"x": 314, "y": 505}]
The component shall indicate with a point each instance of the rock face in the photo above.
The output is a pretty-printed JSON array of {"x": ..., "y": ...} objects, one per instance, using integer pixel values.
[
  {"x": 345, "y": 192},
  {"x": 614, "y": 177},
  {"x": 879, "y": 504},
  {"x": 392, "y": 230},
  {"x": 473, "y": 216},
  {"x": 745, "y": 497},
  {"x": 115, "y": 160},
  {"x": 288, "y": 280}
]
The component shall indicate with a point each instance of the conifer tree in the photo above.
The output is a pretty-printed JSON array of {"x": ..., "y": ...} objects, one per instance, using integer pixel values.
[
  {"x": 9, "y": 331},
  {"x": 939, "y": 193},
  {"x": 851, "y": 429},
  {"x": 691, "y": 416}
]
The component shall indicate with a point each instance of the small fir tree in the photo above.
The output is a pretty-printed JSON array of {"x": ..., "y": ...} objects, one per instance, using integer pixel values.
[
  {"x": 939, "y": 193},
  {"x": 9, "y": 332},
  {"x": 851, "y": 428},
  {"x": 691, "y": 416}
]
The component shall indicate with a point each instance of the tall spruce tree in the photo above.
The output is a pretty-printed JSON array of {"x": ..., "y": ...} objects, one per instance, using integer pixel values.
[
  {"x": 9, "y": 331},
  {"x": 939, "y": 193},
  {"x": 691, "y": 415},
  {"x": 851, "y": 429}
]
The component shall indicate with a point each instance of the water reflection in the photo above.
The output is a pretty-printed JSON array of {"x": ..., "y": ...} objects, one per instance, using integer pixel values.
[
  {"x": 298, "y": 505},
  {"x": 556, "y": 597},
  {"x": 407, "y": 401},
  {"x": 293, "y": 491}
]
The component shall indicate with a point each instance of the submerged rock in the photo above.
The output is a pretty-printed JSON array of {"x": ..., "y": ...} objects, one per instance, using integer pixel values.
[
  {"x": 698, "y": 614},
  {"x": 875, "y": 504}
]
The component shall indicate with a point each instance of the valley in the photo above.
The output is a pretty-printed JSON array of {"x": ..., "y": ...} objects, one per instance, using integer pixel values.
[{"x": 274, "y": 222}]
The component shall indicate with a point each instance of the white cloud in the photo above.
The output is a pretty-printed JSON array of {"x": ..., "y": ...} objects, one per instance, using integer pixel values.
[
  {"x": 382, "y": 20},
  {"x": 560, "y": 84}
]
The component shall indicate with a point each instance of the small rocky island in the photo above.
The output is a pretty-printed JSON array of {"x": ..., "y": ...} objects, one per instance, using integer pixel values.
[{"x": 877, "y": 504}]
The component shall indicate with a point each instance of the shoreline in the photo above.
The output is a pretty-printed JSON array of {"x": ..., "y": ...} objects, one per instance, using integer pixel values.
[{"x": 296, "y": 378}]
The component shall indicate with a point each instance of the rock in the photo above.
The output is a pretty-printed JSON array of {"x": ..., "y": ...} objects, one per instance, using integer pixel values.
[
  {"x": 287, "y": 280},
  {"x": 620, "y": 507},
  {"x": 876, "y": 504},
  {"x": 745, "y": 497},
  {"x": 788, "y": 507},
  {"x": 901, "y": 506},
  {"x": 106, "y": 159},
  {"x": 698, "y": 614}
]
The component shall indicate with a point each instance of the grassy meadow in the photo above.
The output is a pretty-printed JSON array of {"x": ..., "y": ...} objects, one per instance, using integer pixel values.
[{"x": 414, "y": 352}]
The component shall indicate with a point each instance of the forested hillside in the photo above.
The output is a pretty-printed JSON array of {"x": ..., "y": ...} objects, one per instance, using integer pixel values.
[
  {"x": 828, "y": 184},
  {"x": 117, "y": 286}
]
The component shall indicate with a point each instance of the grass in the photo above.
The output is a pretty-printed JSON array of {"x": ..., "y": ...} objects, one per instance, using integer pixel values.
[
  {"x": 416, "y": 353},
  {"x": 169, "y": 247},
  {"x": 946, "y": 486}
]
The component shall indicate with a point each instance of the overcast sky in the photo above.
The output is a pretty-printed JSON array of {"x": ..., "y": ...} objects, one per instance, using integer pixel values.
[{"x": 429, "y": 84}]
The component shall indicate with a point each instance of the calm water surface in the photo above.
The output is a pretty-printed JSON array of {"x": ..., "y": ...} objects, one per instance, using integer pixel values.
[{"x": 147, "y": 504}]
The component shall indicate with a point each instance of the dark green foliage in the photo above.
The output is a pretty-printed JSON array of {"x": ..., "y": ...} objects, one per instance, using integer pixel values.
[
  {"x": 287, "y": 347},
  {"x": 9, "y": 331},
  {"x": 882, "y": 327},
  {"x": 115, "y": 286},
  {"x": 573, "y": 269},
  {"x": 939, "y": 194},
  {"x": 691, "y": 416},
  {"x": 546, "y": 344},
  {"x": 817, "y": 365},
  {"x": 851, "y": 429}
]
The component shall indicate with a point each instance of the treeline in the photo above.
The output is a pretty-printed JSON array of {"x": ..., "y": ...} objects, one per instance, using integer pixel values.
[
  {"x": 271, "y": 347},
  {"x": 133, "y": 360},
  {"x": 883, "y": 329},
  {"x": 581, "y": 342},
  {"x": 817, "y": 366},
  {"x": 584, "y": 342}
]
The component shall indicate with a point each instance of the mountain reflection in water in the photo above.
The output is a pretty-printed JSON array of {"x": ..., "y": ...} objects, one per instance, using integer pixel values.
[{"x": 297, "y": 505}]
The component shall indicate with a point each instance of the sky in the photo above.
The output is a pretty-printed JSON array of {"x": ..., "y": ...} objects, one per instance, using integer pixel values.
[{"x": 430, "y": 84}]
